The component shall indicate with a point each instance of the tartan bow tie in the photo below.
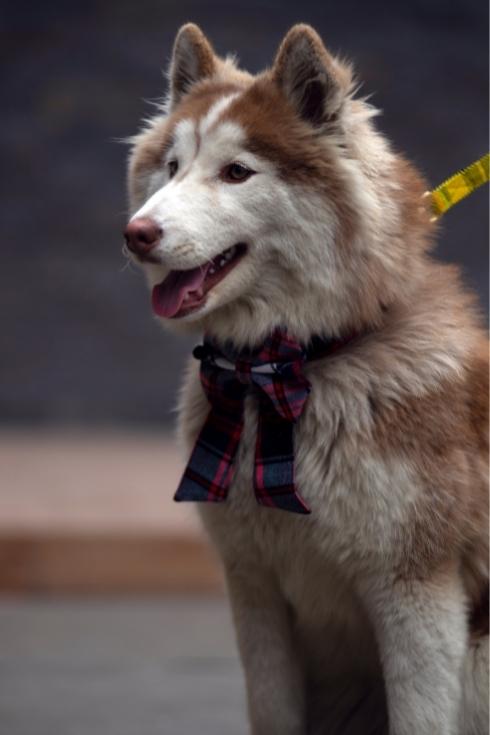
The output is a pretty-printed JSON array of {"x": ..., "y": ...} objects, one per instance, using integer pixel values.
[{"x": 275, "y": 375}]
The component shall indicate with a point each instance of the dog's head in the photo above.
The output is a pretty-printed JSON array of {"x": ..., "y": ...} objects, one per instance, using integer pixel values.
[{"x": 270, "y": 200}]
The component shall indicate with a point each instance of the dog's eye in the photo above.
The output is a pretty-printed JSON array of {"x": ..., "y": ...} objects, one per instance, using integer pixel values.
[
  {"x": 235, "y": 173},
  {"x": 173, "y": 167}
]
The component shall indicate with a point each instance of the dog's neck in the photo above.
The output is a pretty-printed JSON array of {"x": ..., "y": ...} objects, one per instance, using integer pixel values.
[{"x": 247, "y": 323}]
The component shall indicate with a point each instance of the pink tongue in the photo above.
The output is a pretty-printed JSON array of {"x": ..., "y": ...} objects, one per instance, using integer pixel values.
[{"x": 167, "y": 297}]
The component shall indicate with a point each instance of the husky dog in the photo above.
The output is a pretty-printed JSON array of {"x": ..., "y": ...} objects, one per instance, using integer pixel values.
[{"x": 272, "y": 200}]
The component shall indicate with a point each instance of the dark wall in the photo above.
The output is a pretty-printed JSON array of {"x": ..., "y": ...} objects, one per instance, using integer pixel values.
[{"x": 77, "y": 340}]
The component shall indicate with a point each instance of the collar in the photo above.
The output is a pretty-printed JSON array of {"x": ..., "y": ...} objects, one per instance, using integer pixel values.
[
  {"x": 274, "y": 373},
  {"x": 226, "y": 355}
]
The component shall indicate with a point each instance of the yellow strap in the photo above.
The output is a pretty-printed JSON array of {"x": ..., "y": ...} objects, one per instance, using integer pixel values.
[{"x": 458, "y": 187}]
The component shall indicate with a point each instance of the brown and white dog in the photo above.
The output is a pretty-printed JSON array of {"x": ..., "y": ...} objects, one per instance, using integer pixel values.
[{"x": 367, "y": 616}]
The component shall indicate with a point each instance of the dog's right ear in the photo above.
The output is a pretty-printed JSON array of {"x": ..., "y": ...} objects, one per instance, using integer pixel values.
[{"x": 193, "y": 59}]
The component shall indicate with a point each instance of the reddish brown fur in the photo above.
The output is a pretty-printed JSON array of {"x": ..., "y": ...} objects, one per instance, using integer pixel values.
[
  {"x": 152, "y": 143},
  {"x": 340, "y": 73},
  {"x": 276, "y": 133},
  {"x": 414, "y": 208},
  {"x": 204, "y": 59},
  {"x": 439, "y": 432},
  {"x": 443, "y": 433}
]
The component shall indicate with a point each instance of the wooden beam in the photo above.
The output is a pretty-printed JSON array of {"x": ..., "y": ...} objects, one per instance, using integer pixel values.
[{"x": 87, "y": 563}]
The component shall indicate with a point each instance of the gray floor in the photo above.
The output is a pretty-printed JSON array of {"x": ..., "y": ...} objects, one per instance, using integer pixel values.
[{"x": 166, "y": 667}]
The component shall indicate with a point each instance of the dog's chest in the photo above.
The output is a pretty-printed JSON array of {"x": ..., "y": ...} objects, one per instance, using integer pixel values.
[{"x": 359, "y": 502}]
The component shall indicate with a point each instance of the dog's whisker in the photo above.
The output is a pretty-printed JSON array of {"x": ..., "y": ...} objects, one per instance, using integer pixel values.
[{"x": 128, "y": 265}]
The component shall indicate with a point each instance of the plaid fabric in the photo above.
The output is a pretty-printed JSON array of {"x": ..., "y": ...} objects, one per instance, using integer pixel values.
[{"x": 274, "y": 374}]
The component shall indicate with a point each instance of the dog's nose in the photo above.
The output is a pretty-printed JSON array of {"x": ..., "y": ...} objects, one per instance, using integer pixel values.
[{"x": 142, "y": 235}]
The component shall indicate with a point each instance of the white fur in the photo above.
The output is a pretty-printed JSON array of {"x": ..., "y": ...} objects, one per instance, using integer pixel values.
[
  {"x": 323, "y": 566},
  {"x": 319, "y": 596},
  {"x": 201, "y": 216}
]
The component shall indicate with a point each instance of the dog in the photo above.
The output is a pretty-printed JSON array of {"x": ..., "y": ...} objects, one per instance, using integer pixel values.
[{"x": 272, "y": 201}]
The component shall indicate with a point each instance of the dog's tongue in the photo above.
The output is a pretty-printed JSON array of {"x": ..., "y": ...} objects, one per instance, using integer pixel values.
[{"x": 167, "y": 297}]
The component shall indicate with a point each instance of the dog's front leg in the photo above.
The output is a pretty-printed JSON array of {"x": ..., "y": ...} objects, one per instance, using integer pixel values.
[
  {"x": 421, "y": 631},
  {"x": 272, "y": 671}
]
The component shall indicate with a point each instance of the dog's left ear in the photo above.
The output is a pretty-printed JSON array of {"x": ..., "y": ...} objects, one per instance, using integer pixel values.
[
  {"x": 313, "y": 81},
  {"x": 193, "y": 59}
]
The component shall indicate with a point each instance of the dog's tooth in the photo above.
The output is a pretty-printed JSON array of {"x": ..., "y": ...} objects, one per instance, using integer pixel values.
[
  {"x": 212, "y": 270},
  {"x": 222, "y": 262}
]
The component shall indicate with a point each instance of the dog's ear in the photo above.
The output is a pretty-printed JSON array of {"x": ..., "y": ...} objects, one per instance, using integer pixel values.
[
  {"x": 314, "y": 82},
  {"x": 193, "y": 59}
]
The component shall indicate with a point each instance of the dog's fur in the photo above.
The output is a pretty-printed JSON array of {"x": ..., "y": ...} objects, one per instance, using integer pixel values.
[{"x": 372, "y": 609}]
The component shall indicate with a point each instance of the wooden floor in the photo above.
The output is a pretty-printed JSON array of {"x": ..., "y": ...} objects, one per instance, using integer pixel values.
[{"x": 93, "y": 513}]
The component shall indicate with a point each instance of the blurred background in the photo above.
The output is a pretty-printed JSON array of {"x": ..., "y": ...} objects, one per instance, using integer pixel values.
[{"x": 112, "y": 616}]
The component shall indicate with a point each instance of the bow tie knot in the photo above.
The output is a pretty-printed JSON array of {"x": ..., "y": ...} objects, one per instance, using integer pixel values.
[{"x": 243, "y": 372}]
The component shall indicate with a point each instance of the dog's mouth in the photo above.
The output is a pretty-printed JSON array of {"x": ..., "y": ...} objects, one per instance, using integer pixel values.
[{"x": 183, "y": 292}]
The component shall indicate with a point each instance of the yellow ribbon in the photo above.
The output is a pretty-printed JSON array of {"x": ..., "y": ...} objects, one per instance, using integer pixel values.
[{"x": 458, "y": 187}]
